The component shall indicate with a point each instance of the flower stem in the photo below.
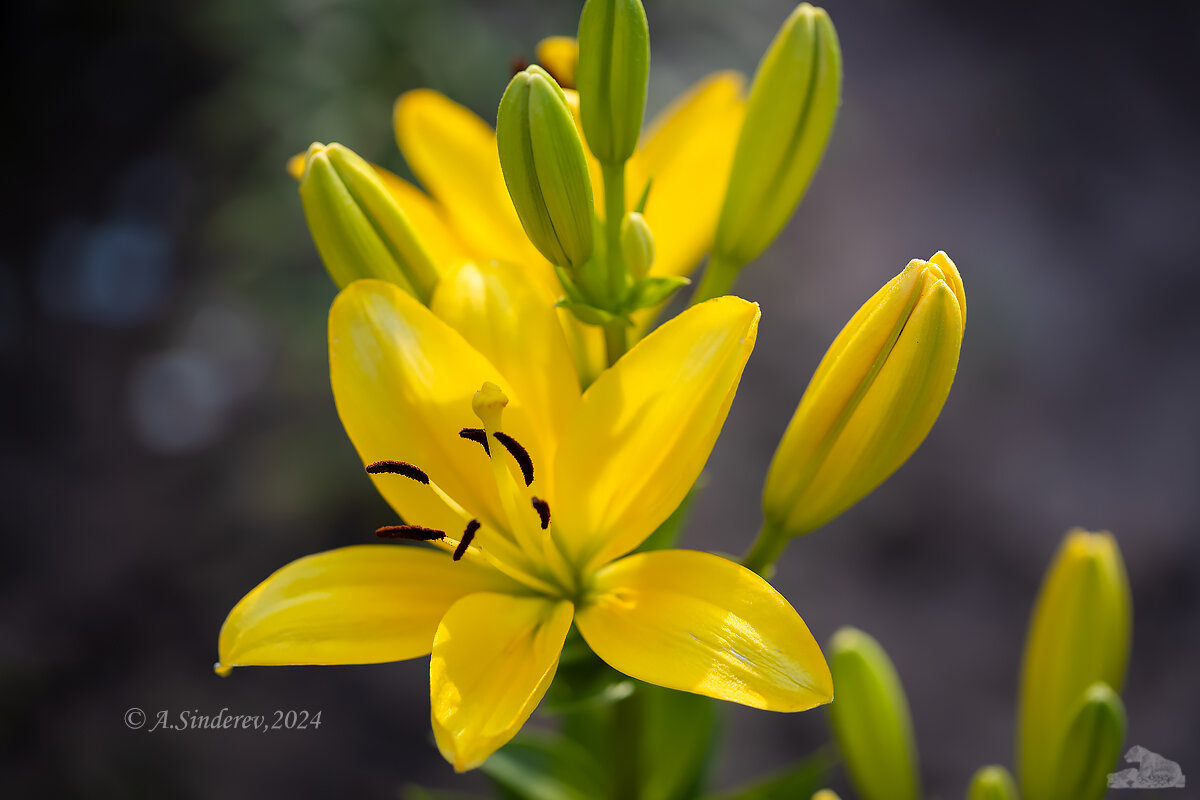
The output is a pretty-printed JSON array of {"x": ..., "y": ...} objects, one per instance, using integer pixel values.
[
  {"x": 614, "y": 341},
  {"x": 614, "y": 212},
  {"x": 627, "y": 720},
  {"x": 766, "y": 550},
  {"x": 718, "y": 279}
]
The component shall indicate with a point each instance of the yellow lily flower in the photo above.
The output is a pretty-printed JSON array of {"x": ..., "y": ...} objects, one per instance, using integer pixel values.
[{"x": 532, "y": 529}]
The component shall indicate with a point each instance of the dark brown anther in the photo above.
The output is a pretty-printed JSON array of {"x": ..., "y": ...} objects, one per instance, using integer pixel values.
[
  {"x": 543, "y": 509},
  {"x": 518, "y": 64},
  {"x": 519, "y": 453},
  {"x": 477, "y": 435},
  {"x": 398, "y": 468},
  {"x": 468, "y": 537},
  {"x": 412, "y": 532}
]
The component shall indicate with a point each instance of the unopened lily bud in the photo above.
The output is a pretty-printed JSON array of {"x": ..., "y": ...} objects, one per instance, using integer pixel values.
[
  {"x": 1079, "y": 635},
  {"x": 614, "y": 66},
  {"x": 789, "y": 116},
  {"x": 825, "y": 794},
  {"x": 637, "y": 244},
  {"x": 870, "y": 719},
  {"x": 545, "y": 168},
  {"x": 872, "y": 400},
  {"x": 359, "y": 229},
  {"x": 1090, "y": 746},
  {"x": 992, "y": 783}
]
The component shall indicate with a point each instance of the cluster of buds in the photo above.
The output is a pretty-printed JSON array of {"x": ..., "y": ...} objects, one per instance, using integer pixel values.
[{"x": 1071, "y": 721}]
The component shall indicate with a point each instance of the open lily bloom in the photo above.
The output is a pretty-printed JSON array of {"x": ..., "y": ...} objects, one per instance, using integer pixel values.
[{"x": 532, "y": 494}]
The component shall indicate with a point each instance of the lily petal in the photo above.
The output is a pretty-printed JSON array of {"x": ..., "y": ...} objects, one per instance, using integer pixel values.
[
  {"x": 453, "y": 153},
  {"x": 428, "y": 218},
  {"x": 357, "y": 605},
  {"x": 646, "y": 427},
  {"x": 512, "y": 321},
  {"x": 697, "y": 622},
  {"x": 687, "y": 153},
  {"x": 493, "y": 658},
  {"x": 403, "y": 382}
]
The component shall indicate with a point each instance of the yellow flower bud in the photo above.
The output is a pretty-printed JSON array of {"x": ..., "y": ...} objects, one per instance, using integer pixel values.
[
  {"x": 789, "y": 116},
  {"x": 870, "y": 719},
  {"x": 872, "y": 400},
  {"x": 1090, "y": 747},
  {"x": 545, "y": 168},
  {"x": 613, "y": 68},
  {"x": 1079, "y": 635},
  {"x": 825, "y": 794},
  {"x": 992, "y": 783},
  {"x": 359, "y": 229},
  {"x": 637, "y": 244}
]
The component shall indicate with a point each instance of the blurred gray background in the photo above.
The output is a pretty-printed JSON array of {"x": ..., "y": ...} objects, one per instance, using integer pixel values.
[{"x": 169, "y": 437}]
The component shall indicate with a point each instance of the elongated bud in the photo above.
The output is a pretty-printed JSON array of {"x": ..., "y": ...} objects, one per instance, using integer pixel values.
[
  {"x": 1090, "y": 746},
  {"x": 359, "y": 229},
  {"x": 1079, "y": 635},
  {"x": 872, "y": 400},
  {"x": 614, "y": 66},
  {"x": 545, "y": 168},
  {"x": 637, "y": 244},
  {"x": 992, "y": 783},
  {"x": 870, "y": 719},
  {"x": 789, "y": 116}
]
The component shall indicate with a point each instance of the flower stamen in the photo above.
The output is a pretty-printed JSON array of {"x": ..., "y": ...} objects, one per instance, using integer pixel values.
[
  {"x": 477, "y": 435},
  {"x": 414, "y": 533},
  {"x": 543, "y": 511},
  {"x": 519, "y": 453},
  {"x": 467, "y": 537},
  {"x": 398, "y": 468}
]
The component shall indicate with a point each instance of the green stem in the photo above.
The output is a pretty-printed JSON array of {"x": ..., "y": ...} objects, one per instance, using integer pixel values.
[
  {"x": 766, "y": 550},
  {"x": 614, "y": 212},
  {"x": 718, "y": 279},
  {"x": 614, "y": 341},
  {"x": 627, "y": 719}
]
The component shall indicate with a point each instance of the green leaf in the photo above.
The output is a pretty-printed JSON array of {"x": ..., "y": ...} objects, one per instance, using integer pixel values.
[
  {"x": 649, "y": 292},
  {"x": 592, "y": 315},
  {"x": 795, "y": 783},
  {"x": 547, "y": 767},
  {"x": 678, "y": 736}
]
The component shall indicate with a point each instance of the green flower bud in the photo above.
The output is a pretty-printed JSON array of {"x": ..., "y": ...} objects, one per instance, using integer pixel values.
[
  {"x": 1079, "y": 635},
  {"x": 545, "y": 168},
  {"x": 359, "y": 229},
  {"x": 613, "y": 68},
  {"x": 637, "y": 244},
  {"x": 1091, "y": 746},
  {"x": 789, "y": 116},
  {"x": 872, "y": 400},
  {"x": 870, "y": 719},
  {"x": 992, "y": 783}
]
